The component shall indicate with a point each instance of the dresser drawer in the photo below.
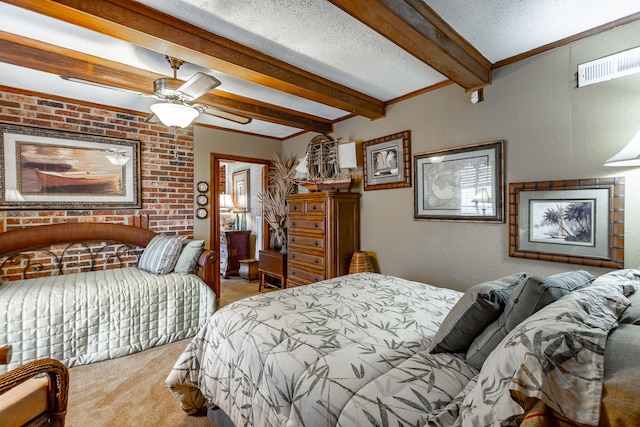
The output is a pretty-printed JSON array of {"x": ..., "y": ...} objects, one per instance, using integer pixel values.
[
  {"x": 301, "y": 274},
  {"x": 310, "y": 242},
  {"x": 316, "y": 260},
  {"x": 307, "y": 224},
  {"x": 304, "y": 207}
]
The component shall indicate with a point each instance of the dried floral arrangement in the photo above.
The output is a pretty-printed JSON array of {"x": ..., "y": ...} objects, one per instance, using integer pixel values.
[{"x": 273, "y": 198}]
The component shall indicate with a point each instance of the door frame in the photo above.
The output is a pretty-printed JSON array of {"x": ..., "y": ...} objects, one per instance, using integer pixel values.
[{"x": 214, "y": 224}]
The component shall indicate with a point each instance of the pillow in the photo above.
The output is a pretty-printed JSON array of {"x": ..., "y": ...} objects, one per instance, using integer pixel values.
[
  {"x": 188, "y": 258},
  {"x": 555, "y": 356},
  {"x": 160, "y": 255},
  {"x": 477, "y": 309},
  {"x": 530, "y": 296}
]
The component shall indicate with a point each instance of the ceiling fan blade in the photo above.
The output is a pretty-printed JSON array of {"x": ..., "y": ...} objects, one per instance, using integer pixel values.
[
  {"x": 223, "y": 114},
  {"x": 102, "y": 85},
  {"x": 198, "y": 85}
]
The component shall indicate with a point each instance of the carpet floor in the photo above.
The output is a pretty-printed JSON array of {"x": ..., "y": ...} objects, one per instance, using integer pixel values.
[{"x": 130, "y": 391}]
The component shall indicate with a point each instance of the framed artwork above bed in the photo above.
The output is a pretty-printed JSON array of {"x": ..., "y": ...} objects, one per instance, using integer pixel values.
[
  {"x": 50, "y": 169},
  {"x": 577, "y": 221}
]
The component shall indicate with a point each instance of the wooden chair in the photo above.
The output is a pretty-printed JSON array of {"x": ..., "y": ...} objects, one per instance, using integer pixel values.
[{"x": 28, "y": 398}]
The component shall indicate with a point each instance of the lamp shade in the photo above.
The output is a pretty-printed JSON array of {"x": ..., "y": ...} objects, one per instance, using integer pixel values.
[
  {"x": 173, "y": 114},
  {"x": 360, "y": 263},
  {"x": 629, "y": 155},
  {"x": 225, "y": 202}
]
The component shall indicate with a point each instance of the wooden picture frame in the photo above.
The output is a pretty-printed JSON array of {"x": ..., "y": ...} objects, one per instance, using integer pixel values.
[
  {"x": 460, "y": 184},
  {"x": 577, "y": 221},
  {"x": 49, "y": 169},
  {"x": 387, "y": 162},
  {"x": 241, "y": 193}
]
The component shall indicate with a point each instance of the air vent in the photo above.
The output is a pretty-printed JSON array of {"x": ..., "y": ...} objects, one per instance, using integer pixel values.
[{"x": 610, "y": 67}]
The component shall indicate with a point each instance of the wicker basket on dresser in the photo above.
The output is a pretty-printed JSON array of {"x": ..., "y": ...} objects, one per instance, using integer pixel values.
[{"x": 323, "y": 233}]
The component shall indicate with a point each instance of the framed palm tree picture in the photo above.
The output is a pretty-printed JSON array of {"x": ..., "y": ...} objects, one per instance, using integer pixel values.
[{"x": 575, "y": 221}]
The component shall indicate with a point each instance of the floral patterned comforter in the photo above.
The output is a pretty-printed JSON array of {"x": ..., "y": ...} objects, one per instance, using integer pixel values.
[{"x": 346, "y": 351}]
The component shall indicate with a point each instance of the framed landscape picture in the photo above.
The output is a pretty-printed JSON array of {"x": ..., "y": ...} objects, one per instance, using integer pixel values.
[
  {"x": 574, "y": 221},
  {"x": 47, "y": 169}
]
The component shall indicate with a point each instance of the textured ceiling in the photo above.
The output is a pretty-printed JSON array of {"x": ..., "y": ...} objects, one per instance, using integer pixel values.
[{"x": 313, "y": 35}]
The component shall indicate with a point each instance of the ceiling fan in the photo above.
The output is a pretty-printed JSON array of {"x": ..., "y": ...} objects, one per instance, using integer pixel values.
[{"x": 178, "y": 107}]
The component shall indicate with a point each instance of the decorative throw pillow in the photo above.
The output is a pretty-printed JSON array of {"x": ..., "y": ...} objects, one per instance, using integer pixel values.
[
  {"x": 530, "y": 296},
  {"x": 477, "y": 309},
  {"x": 188, "y": 258},
  {"x": 160, "y": 255}
]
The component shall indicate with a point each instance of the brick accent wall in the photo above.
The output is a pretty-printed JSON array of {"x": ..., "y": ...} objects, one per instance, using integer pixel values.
[{"x": 166, "y": 163}]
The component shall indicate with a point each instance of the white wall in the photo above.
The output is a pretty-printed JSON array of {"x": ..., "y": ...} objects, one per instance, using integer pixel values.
[
  {"x": 552, "y": 130},
  {"x": 209, "y": 140}
]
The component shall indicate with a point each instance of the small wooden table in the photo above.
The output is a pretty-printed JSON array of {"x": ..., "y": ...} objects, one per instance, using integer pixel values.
[{"x": 272, "y": 263}]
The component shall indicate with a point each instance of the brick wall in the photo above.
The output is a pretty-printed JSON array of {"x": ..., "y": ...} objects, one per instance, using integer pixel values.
[{"x": 166, "y": 163}]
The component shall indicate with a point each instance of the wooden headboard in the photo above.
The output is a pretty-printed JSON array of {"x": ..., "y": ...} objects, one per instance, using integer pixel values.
[{"x": 32, "y": 238}]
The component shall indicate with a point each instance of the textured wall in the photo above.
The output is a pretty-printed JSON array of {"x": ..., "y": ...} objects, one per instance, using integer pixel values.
[
  {"x": 552, "y": 130},
  {"x": 166, "y": 164}
]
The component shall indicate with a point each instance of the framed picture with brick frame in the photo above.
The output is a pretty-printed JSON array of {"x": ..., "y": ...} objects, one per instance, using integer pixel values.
[{"x": 49, "y": 169}]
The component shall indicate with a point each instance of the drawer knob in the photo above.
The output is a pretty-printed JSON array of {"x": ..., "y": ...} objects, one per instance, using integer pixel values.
[
  {"x": 293, "y": 256},
  {"x": 316, "y": 225},
  {"x": 293, "y": 223},
  {"x": 315, "y": 279},
  {"x": 293, "y": 239},
  {"x": 293, "y": 272},
  {"x": 295, "y": 207},
  {"x": 315, "y": 208},
  {"x": 317, "y": 261},
  {"x": 317, "y": 243}
]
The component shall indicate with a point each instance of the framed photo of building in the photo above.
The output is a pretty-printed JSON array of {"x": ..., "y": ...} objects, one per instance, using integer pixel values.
[
  {"x": 48, "y": 169},
  {"x": 387, "y": 162}
]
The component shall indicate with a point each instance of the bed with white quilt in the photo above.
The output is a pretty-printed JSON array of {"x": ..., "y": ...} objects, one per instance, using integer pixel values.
[
  {"x": 374, "y": 350},
  {"x": 108, "y": 291}
]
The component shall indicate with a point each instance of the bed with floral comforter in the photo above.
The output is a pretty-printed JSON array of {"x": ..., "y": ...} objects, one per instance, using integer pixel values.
[{"x": 358, "y": 350}]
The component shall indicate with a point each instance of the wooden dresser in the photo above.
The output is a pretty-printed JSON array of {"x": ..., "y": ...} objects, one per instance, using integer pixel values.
[
  {"x": 234, "y": 246},
  {"x": 323, "y": 233}
]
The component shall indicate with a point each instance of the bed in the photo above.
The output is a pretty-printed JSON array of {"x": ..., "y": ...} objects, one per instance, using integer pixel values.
[
  {"x": 374, "y": 350},
  {"x": 85, "y": 292}
]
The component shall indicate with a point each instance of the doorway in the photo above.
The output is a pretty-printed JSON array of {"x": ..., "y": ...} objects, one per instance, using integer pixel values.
[{"x": 246, "y": 176}]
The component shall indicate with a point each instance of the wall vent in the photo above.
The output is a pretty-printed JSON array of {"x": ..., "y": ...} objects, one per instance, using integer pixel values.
[{"x": 610, "y": 67}]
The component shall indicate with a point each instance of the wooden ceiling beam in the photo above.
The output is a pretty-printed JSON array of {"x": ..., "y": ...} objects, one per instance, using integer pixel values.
[
  {"x": 151, "y": 29},
  {"x": 416, "y": 28},
  {"x": 53, "y": 59}
]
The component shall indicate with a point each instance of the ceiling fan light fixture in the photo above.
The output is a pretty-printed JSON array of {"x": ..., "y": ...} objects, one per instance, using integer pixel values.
[{"x": 172, "y": 114}]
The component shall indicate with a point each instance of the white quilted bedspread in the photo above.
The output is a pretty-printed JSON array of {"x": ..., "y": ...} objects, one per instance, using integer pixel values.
[{"x": 88, "y": 317}]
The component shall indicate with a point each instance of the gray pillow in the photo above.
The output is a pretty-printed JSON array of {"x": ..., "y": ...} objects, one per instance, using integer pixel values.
[
  {"x": 188, "y": 258},
  {"x": 530, "y": 296},
  {"x": 160, "y": 255},
  {"x": 478, "y": 307}
]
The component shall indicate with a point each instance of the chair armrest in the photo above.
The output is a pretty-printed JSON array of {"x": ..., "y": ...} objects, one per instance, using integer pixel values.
[{"x": 58, "y": 390}]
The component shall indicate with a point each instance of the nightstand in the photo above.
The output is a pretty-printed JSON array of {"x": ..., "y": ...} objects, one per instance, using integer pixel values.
[{"x": 272, "y": 263}]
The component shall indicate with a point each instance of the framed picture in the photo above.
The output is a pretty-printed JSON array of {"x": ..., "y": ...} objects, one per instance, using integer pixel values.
[
  {"x": 48, "y": 169},
  {"x": 387, "y": 161},
  {"x": 240, "y": 193},
  {"x": 575, "y": 221},
  {"x": 460, "y": 184}
]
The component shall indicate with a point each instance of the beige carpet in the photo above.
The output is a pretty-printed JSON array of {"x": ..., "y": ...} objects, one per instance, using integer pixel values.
[{"x": 130, "y": 391}]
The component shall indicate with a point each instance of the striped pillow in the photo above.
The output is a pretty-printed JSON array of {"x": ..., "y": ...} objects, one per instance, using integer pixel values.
[{"x": 160, "y": 255}]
